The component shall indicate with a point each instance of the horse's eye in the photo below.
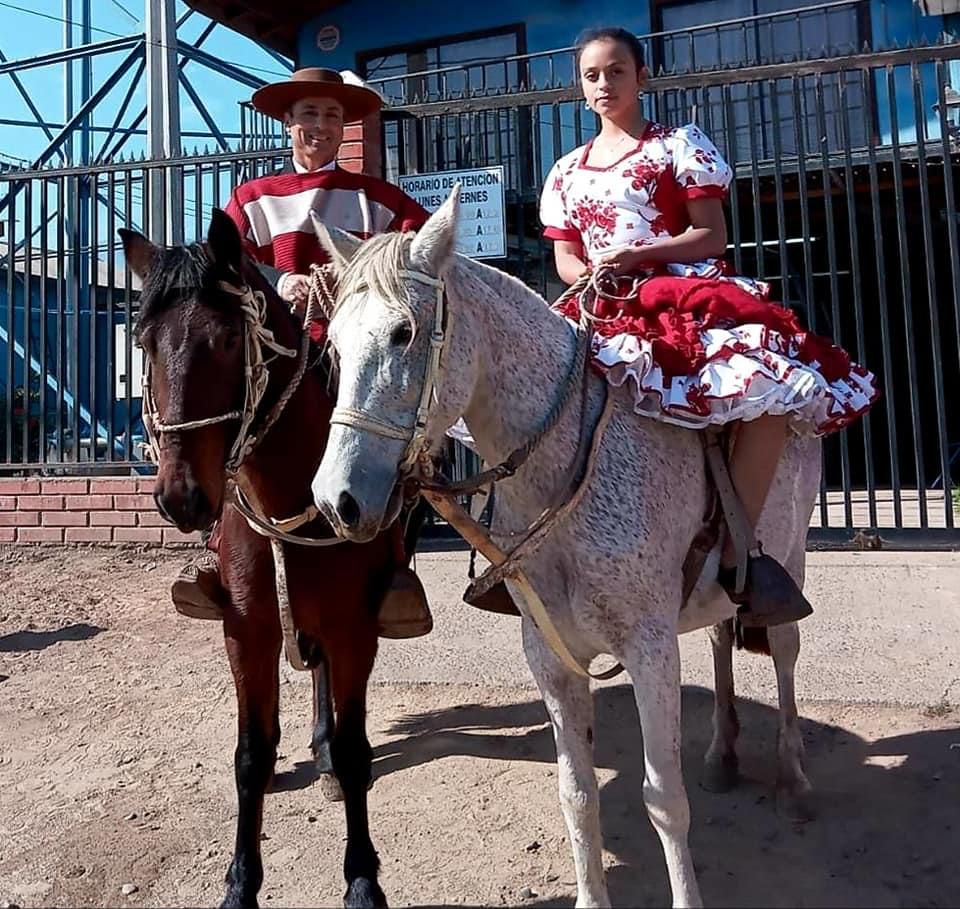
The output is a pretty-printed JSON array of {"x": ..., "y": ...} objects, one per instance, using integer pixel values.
[{"x": 401, "y": 336}]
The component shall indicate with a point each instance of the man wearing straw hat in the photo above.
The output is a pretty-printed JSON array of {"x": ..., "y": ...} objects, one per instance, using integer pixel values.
[{"x": 273, "y": 216}]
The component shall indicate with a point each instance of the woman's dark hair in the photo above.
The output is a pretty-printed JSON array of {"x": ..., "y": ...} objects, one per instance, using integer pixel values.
[{"x": 629, "y": 39}]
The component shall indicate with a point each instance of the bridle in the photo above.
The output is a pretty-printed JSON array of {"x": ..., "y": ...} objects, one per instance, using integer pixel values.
[{"x": 417, "y": 443}]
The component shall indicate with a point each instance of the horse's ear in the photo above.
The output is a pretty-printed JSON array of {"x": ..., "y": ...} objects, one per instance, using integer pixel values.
[
  {"x": 223, "y": 238},
  {"x": 337, "y": 243},
  {"x": 138, "y": 251},
  {"x": 437, "y": 239}
]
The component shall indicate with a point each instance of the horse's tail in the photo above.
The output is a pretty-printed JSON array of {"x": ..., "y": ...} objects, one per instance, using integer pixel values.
[{"x": 754, "y": 640}]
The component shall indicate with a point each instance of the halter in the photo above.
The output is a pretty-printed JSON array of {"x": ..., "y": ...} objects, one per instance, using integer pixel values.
[
  {"x": 415, "y": 436},
  {"x": 253, "y": 307}
]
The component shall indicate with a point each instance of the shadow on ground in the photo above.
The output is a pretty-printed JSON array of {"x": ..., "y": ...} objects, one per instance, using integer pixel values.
[
  {"x": 23, "y": 641},
  {"x": 886, "y": 834}
]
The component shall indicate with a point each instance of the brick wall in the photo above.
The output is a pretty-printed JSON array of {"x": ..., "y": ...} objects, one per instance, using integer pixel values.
[
  {"x": 362, "y": 149},
  {"x": 99, "y": 510}
]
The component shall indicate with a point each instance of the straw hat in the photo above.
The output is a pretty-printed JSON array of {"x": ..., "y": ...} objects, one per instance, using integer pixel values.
[{"x": 357, "y": 99}]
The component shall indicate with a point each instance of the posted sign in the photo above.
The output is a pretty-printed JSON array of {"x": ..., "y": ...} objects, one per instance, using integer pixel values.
[{"x": 482, "y": 231}]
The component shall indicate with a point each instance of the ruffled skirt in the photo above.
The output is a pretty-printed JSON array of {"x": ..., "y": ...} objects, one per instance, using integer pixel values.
[{"x": 705, "y": 351}]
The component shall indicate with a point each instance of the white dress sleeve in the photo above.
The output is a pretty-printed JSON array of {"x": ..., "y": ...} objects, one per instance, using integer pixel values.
[
  {"x": 698, "y": 166},
  {"x": 553, "y": 207}
]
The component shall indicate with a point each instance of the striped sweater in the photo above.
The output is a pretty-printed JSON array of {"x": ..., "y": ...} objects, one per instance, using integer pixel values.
[{"x": 273, "y": 213}]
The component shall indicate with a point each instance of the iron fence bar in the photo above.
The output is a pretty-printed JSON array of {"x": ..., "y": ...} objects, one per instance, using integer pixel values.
[
  {"x": 936, "y": 350},
  {"x": 74, "y": 279},
  {"x": 62, "y": 205},
  {"x": 128, "y": 326},
  {"x": 886, "y": 339},
  {"x": 858, "y": 315},
  {"x": 731, "y": 131},
  {"x": 27, "y": 317},
  {"x": 755, "y": 183},
  {"x": 778, "y": 192},
  {"x": 799, "y": 125},
  {"x": 93, "y": 285},
  {"x": 905, "y": 272},
  {"x": 833, "y": 266},
  {"x": 674, "y": 82},
  {"x": 11, "y": 302},
  {"x": 44, "y": 269},
  {"x": 950, "y": 211},
  {"x": 111, "y": 368}
]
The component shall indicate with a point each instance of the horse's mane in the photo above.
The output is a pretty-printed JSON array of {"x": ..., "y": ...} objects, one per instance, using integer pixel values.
[
  {"x": 179, "y": 272},
  {"x": 376, "y": 266},
  {"x": 378, "y": 262}
]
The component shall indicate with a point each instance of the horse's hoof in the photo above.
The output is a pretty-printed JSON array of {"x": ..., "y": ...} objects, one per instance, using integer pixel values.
[
  {"x": 364, "y": 893},
  {"x": 330, "y": 787},
  {"x": 721, "y": 775},
  {"x": 235, "y": 900},
  {"x": 796, "y": 806}
]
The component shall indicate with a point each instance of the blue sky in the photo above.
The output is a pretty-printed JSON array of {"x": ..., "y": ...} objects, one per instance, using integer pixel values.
[{"x": 23, "y": 34}]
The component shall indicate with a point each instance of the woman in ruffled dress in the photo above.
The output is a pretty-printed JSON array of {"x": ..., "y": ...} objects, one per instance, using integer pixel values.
[{"x": 697, "y": 345}]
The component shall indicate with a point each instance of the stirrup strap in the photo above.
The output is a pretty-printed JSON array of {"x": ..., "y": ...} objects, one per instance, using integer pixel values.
[{"x": 741, "y": 533}]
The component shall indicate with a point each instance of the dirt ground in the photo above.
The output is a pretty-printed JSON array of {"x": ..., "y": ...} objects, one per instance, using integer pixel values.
[{"x": 117, "y": 736}]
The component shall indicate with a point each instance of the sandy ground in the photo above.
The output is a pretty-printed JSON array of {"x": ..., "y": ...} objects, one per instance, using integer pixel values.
[{"x": 117, "y": 735}]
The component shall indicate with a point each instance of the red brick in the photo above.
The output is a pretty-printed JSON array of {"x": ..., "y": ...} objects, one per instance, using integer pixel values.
[
  {"x": 151, "y": 519},
  {"x": 140, "y": 502},
  {"x": 118, "y": 485},
  {"x": 8, "y": 503},
  {"x": 88, "y": 535},
  {"x": 113, "y": 518},
  {"x": 19, "y": 486},
  {"x": 137, "y": 535},
  {"x": 89, "y": 503},
  {"x": 172, "y": 535},
  {"x": 353, "y": 133},
  {"x": 41, "y": 503},
  {"x": 351, "y": 151},
  {"x": 8, "y": 534},
  {"x": 40, "y": 535},
  {"x": 64, "y": 519},
  {"x": 19, "y": 518},
  {"x": 64, "y": 487},
  {"x": 145, "y": 485}
]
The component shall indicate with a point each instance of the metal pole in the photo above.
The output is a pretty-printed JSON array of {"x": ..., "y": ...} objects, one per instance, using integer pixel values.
[
  {"x": 68, "y": 72},
  {"x": 163, "y": 119}
]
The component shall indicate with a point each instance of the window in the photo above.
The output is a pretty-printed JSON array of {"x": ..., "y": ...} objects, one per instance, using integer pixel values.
[
  {"x": 468, "y": 64},
  {"x": 475, "y": 63},
  {"x": 714, "y": 34}
]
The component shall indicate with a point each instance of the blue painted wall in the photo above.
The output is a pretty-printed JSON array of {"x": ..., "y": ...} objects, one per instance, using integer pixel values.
[
  {"x": 550, "y": 24},
  {"x": 369, "y": 24}
]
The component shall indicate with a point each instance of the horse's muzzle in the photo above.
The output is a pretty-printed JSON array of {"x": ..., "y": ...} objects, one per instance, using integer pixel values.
[{"x": 185, "y": 504}]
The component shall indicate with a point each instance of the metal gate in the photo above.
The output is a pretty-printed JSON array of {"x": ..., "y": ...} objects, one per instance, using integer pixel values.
[{"x": 844, "y": 200}]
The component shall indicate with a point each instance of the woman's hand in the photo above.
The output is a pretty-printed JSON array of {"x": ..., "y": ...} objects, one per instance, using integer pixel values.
[{"x": 625, "y": 261}]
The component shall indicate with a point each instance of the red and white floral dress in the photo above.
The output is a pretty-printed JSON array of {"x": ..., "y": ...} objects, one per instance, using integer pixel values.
[{"x": 697, "y": 344}]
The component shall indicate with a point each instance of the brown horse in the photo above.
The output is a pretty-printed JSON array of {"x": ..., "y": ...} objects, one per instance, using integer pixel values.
[{"x": 193, "y": 332}]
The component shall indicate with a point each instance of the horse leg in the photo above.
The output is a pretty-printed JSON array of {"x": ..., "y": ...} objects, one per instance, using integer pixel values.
[
  {"x": 323, "y": 726},
  {"x": 653, "y": 661},
  {"x": 794, "y": 790},
  {"x": 720, "y": 768},
  {"x": 570, "y": 707},
  {"x": 255, "y": 666},
  {"x": 352, "y": 762}
]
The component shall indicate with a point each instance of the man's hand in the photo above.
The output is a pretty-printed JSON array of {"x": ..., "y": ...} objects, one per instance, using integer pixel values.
[{"x": 295, "y": 290}]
